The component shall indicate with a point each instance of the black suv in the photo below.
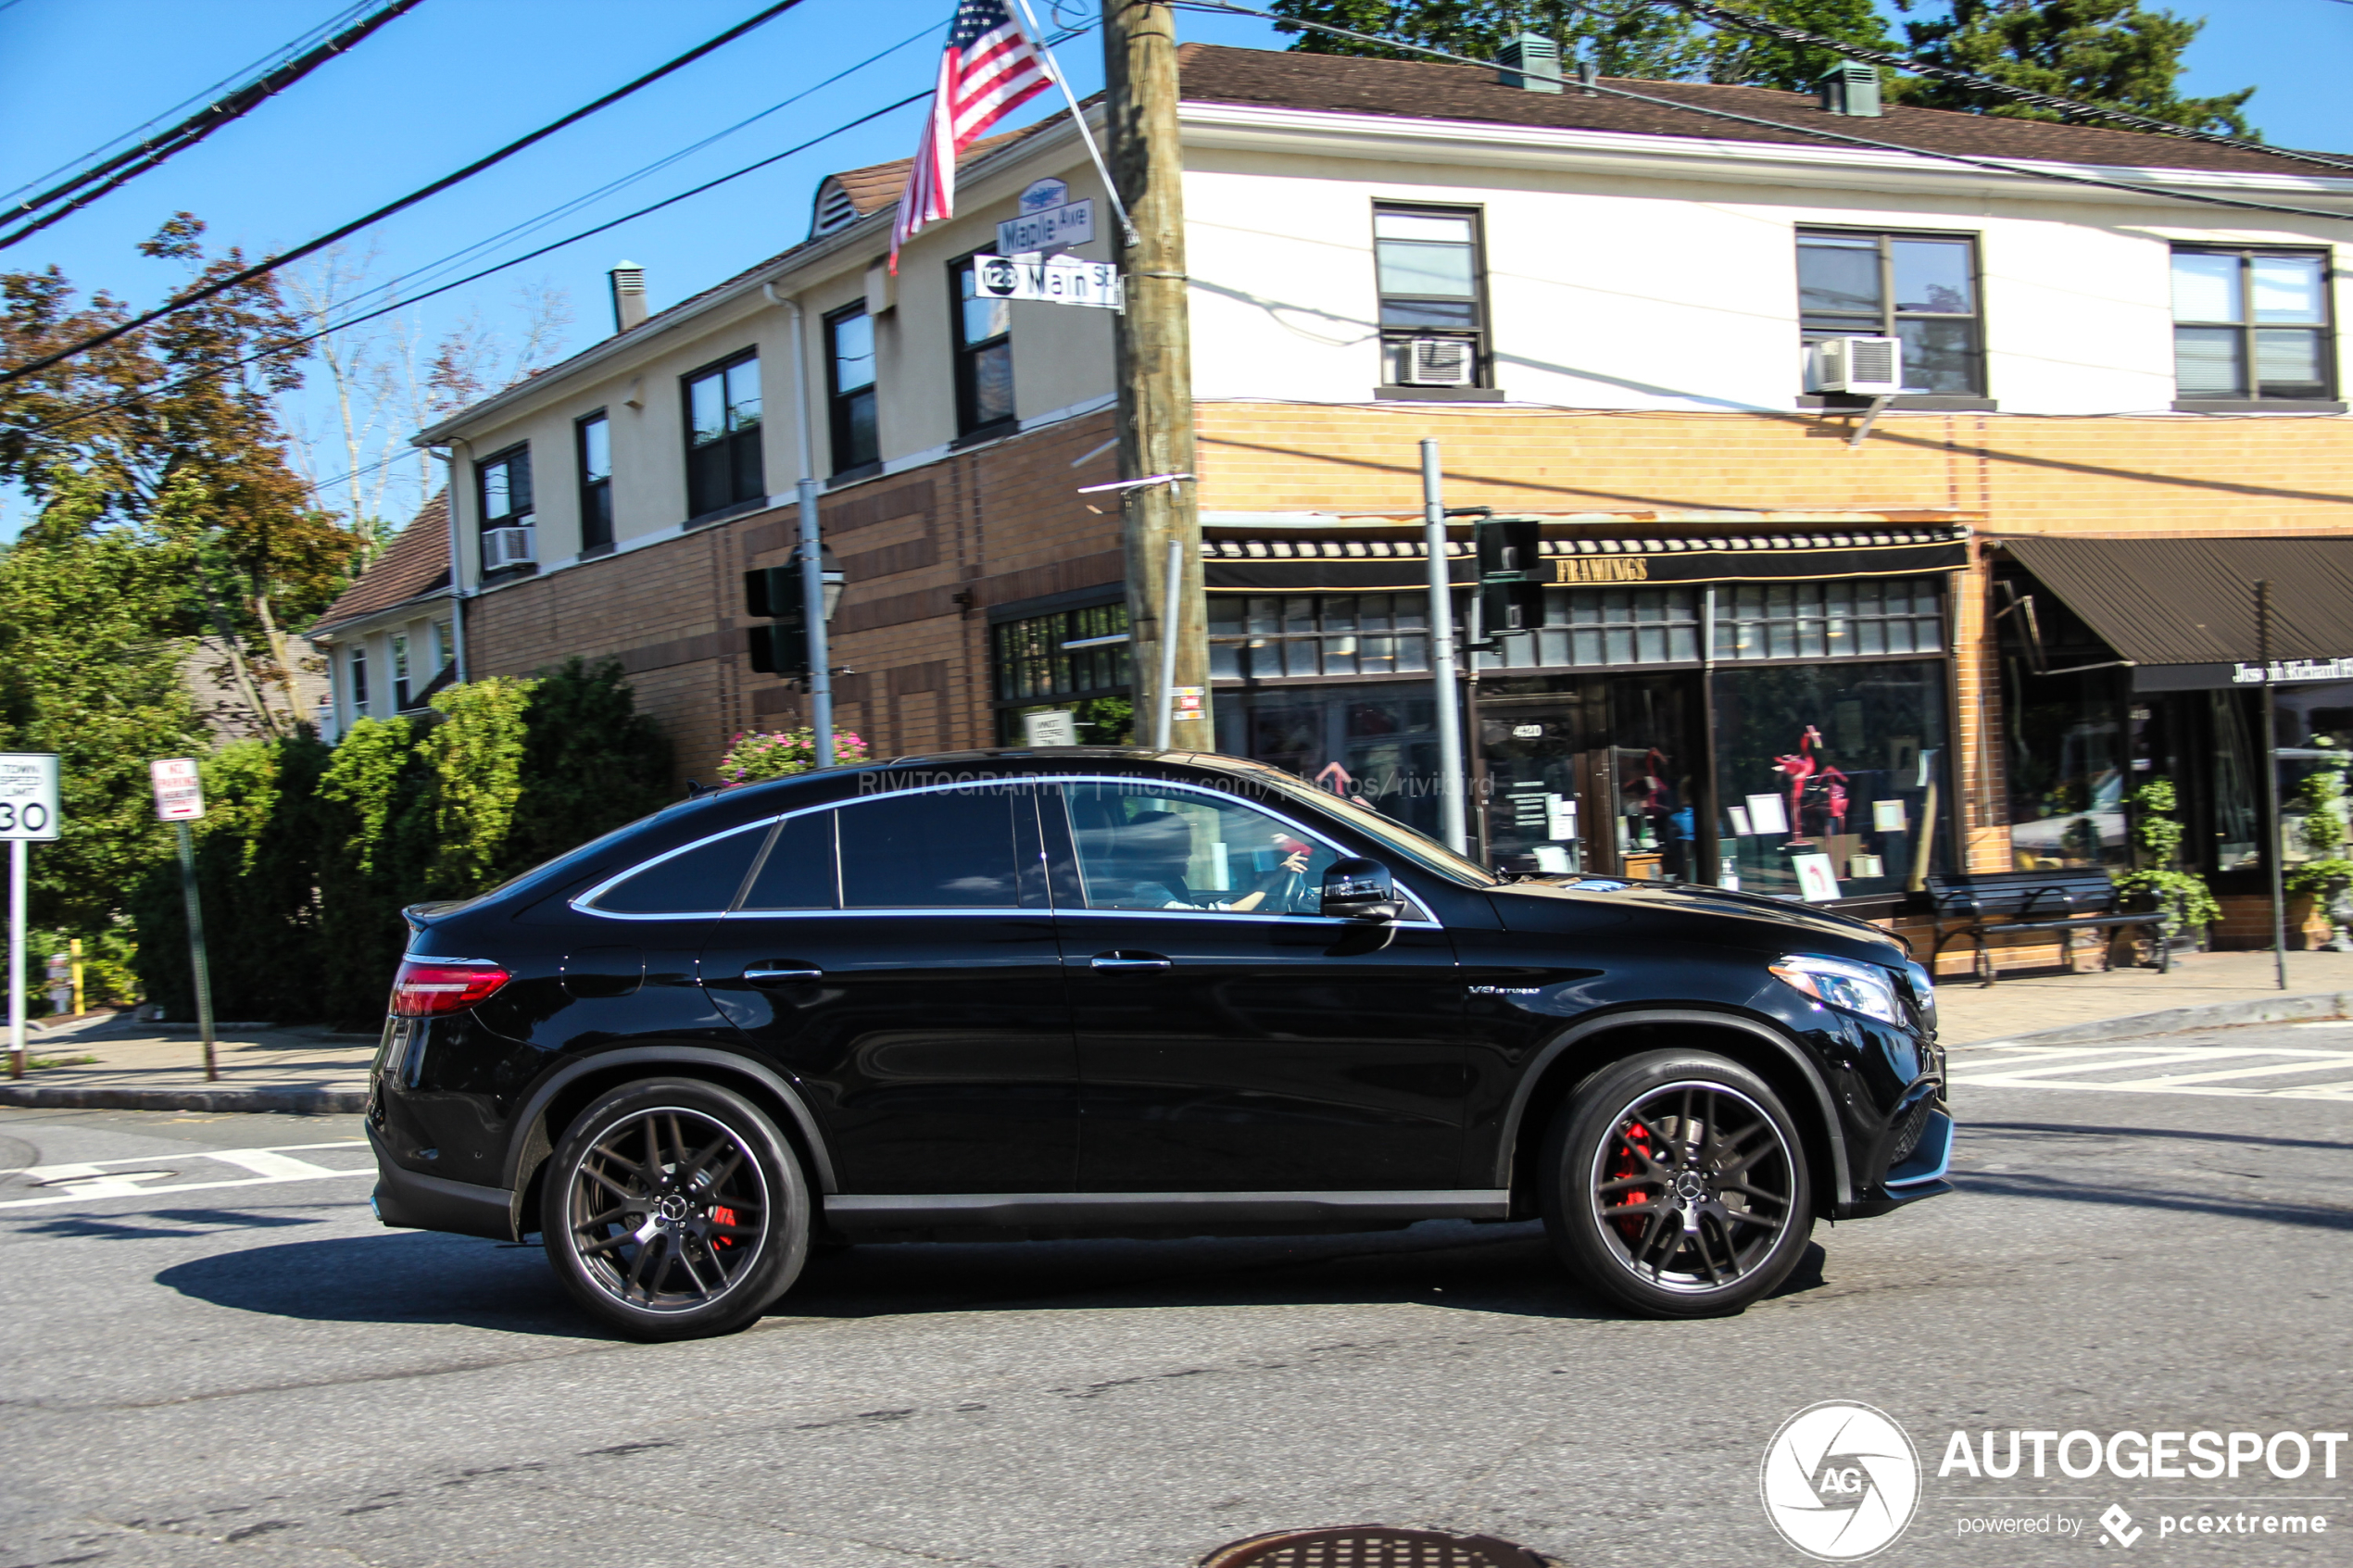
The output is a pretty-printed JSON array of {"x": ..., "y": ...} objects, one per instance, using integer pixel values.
[{"x": 1123, "y": 992}]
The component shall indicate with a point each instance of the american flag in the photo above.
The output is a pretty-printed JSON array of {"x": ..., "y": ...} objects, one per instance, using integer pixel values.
[{"x": 990, "y": 70}]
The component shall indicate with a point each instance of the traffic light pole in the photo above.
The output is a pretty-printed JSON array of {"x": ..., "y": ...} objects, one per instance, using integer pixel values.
[
  {"x": 1441, "y": 658},
  {"x": 813, "y": 567}
]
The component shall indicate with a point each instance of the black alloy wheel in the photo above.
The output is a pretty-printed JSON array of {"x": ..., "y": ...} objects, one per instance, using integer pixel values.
[
  {"x": 1675, "y": 1184},
  {"x": 674, "y": 1210}
]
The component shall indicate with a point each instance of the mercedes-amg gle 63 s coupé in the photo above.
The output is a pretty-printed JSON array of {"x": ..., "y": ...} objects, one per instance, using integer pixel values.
[{"x": 1128, "y": 993}]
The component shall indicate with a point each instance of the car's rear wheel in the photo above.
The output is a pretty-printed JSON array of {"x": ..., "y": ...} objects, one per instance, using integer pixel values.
[
  {"x": 673, "y": 1208},
  {"x": 1675, "y": 1184}
]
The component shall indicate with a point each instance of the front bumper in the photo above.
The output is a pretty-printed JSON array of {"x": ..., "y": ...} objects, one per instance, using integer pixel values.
[{"x": 410, "y": 1201}]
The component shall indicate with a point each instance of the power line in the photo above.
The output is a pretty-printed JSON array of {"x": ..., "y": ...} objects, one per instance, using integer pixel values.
[
  {"x": 93, "y": 182},
  {"x": 1717, "y": 16},
  {"x": 280, "y": 346},
  {"x": 261, "y": 269},
  {"x": 1809, "y": 132},
  {"x": 284, "y": 50}
]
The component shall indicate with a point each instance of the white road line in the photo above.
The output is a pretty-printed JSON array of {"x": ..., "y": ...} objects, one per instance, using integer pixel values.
[
  {"x": 2013, "y": 1072},
  {"x": 2007, "y": 1069},
  {"x": 83, "y": 1194},
  {"x": 2262, "y": 1071},
  {"x": 82, "y": 1181}
]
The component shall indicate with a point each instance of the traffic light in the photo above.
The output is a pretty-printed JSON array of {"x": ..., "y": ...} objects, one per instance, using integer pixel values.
[
  {"x": 781, "y": 647},
  {"x": 1511, "y": 574}
]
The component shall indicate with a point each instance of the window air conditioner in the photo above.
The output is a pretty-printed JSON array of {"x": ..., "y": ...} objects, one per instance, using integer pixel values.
[
  {"x": 1862, "y": 366},
  {"x": 1439, "y": 361},
  {"x": 503, "y": 548}
]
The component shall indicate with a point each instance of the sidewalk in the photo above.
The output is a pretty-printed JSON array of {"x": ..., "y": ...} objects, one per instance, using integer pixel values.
[
  {"x": 2205, "y": 990},
  {"x": 161, "y": 1067}
]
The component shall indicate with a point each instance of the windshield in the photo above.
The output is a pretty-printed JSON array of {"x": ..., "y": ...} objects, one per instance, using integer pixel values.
[{"x": 1427, "y": 853}]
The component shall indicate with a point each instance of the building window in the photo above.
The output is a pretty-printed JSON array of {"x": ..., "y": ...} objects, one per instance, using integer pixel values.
[
  {"x": 1918, "y": 288},
  {"x": 506, "y": 489},
  {"x": 400, "y": 672},
  {"x": 1066, "y": 658},
  {"x": 849, "y": 379},
  {"x": 1846, "y": 618},
  {"x": 595, "y": 483},
  {"x": 2251, "y": 324},
  {"x": 1260, "y": 637},
  {"x": 442, "y": 647},
  {"x": 723, "y": 437},
  {"x": 984, "y": 355},
  {"x": 358, "y": 681},
  {"x": 1432, "y": 282},
  {"x": 1602, "y": 628}
]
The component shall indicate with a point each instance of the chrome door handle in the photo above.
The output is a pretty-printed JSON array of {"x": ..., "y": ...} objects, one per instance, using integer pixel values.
[
  {"x": 760, "y": 974},
  {"x": 1128, "y": 960}
]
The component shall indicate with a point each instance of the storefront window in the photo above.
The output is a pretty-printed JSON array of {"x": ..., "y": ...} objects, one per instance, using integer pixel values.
[
  {"x": 1838, "y": 620},
  {"x": 1593, "y": 628},
  {"x": 1269, "y": 636},
  {"x": 1074, "y": 660},
  {"x": 2316, "y": 718},
  {"x": 1377, "y": 744},
  {"x": 2069, "y": 772},
  {"x": 1830, "y": 779},
  {"x": 2232, "y": 781}
]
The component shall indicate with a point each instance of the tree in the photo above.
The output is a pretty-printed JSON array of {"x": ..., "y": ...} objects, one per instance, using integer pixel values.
[
  {"x": 170, "y": 431},
  {"x": 1628, "y": 39},
  {"x": 2107, "y": 52}
]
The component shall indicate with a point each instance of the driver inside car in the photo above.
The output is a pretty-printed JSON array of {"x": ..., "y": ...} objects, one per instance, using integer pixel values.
[{"x": 1148, "y": 864}]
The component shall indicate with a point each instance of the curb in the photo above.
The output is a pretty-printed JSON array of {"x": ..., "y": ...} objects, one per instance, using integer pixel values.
[
  {"x": 2175, "y": 1021},
  {"x": 294, "y": 1102}
]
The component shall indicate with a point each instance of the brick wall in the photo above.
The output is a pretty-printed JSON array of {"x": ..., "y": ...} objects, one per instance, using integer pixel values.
[{"x": 926, "y": 553}]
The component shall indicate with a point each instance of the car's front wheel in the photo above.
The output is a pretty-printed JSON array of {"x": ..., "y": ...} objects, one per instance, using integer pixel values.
[
  {"x": 1675, "y": 1185},
  {"x": 673, "y": 1208}
]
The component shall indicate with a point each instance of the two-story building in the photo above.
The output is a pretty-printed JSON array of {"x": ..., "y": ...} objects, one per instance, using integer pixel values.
[{"x": 1801, "y": 640}]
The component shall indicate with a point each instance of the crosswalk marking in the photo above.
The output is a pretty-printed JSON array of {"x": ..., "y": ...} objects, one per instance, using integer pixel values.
[
  {"x": 2216, "y": 1071},
  {"x": 79, "y": 1182}
]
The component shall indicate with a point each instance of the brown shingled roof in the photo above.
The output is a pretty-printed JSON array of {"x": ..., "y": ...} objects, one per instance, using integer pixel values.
[
  {"x": 415, "y": 563},
  {"x": 877, "y": 185},
  {"x": 1433, "y": 90}
]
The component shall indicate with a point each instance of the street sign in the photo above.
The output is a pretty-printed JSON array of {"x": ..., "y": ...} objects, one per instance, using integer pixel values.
[
  {"x": 1051, "y": 228},
  {"x": 179, "y": 791},
  {"x": 1057, "y": 728},
  {"x": 1061, "y": 281},
  {"x": 29, "y": 797}
]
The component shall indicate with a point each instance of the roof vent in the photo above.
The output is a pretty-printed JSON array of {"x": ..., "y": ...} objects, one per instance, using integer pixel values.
[
  {"x": 628, "y": 296},
  {"x": 1532, "y": 61},
  {"x": 834, "y": 210},
  {"x": 1853, "y": 89}
]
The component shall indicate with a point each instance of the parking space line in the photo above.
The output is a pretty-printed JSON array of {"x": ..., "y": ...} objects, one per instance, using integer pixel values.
[{"x": 140, "y": 1175}]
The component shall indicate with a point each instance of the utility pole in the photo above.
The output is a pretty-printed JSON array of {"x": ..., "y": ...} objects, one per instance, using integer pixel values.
[
  {"x": 1155, "y": 366},
  {"x": 1441, "y": 656},
  {"x": 2277, "y": 849}
]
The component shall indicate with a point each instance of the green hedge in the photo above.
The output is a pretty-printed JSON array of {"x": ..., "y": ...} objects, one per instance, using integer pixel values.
[{"x": 307, "y": 853}]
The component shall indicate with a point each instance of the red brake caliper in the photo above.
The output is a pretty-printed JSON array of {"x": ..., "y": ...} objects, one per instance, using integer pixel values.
[
  {"x": 1635, "y": 1144},
  {"x": 722, "y": 1217}
]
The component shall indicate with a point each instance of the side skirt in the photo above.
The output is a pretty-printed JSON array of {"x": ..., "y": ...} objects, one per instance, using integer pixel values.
[{"x": 1088, "y": 1211}]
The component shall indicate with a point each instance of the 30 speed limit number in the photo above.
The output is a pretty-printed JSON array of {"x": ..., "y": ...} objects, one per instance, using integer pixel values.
[{"x": 27, "y": 795}]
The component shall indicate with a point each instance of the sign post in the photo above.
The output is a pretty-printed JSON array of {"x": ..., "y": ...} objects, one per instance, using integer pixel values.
[
  {"x": 180, "y": 800},
  {"x": 28, "y": 815}
]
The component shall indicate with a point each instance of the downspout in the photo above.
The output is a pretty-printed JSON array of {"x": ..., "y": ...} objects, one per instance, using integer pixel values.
[
  {"x": 812, "y": 565},
  {"x": 456, "y": 564}
]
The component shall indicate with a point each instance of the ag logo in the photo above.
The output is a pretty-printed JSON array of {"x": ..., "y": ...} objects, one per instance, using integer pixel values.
[{"x": 1840, "y": 1481}]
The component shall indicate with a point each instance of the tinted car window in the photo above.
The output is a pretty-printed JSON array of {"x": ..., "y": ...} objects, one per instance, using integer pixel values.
[
  {"x": 798, "y": 871},
  {"x": 698, "y": 881},
  {"x": 945, "y": 849},
  {"x": 1181, "y": 851}
]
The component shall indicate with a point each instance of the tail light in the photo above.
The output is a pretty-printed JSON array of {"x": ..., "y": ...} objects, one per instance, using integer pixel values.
[{"x": 425, "y": 987}]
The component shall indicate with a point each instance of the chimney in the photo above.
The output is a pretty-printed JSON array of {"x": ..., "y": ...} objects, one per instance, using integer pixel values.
[
  {"x": 1853, "y": 89},
  {"x": 628, "y": 296},
  {"x": 1532, "y": 61}
]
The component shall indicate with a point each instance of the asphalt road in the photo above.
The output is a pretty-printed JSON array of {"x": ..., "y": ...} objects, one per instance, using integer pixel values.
[{"x": 211, "y": 1360}]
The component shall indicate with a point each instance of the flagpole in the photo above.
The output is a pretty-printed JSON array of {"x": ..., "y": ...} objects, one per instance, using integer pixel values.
[{"x": 1054, "y": 69}]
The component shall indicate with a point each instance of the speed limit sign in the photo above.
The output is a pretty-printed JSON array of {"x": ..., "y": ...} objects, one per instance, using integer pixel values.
[{"x": 29, "y": 797}]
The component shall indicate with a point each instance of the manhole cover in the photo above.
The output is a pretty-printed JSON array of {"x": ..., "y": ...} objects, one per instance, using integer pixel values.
[{"x": 1371, "y": 1546}]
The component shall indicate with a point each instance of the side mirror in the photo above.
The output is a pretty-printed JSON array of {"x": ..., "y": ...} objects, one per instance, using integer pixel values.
[{"x": 1360, "y": 889}]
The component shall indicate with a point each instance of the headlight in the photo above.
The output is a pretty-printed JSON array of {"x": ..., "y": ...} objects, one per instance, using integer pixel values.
[{"x": 1836, "y": 983}]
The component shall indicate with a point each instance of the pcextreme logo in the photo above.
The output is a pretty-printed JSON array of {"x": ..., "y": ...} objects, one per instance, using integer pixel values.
[{"x": 1840, "y": 1481}]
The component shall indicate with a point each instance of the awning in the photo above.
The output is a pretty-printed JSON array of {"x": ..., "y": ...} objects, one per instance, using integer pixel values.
[
  {"x": 1393, "y": 561},
  {"x": 2182, "y": 612}
]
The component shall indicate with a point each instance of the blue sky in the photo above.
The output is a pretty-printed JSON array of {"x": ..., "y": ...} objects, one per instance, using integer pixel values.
[{"x": 456, "y": 78}]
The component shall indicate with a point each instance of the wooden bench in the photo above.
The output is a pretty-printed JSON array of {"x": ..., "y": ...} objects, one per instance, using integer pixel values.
[{"x": 2048, "y": 900}]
